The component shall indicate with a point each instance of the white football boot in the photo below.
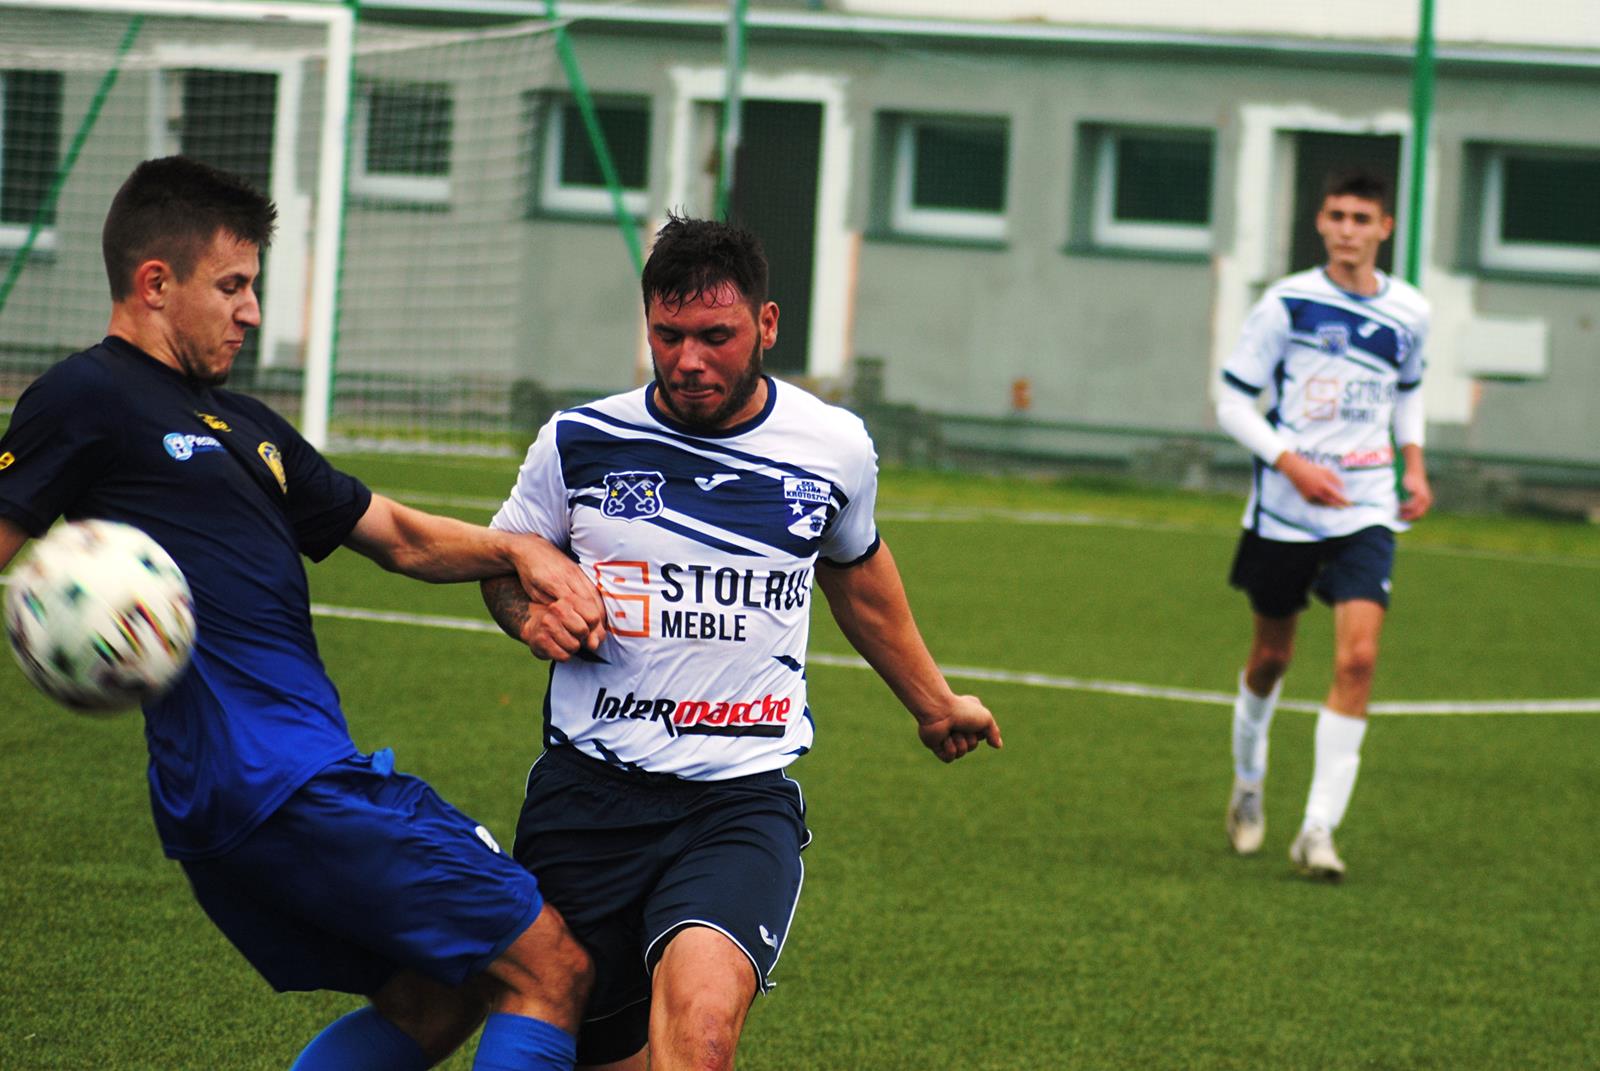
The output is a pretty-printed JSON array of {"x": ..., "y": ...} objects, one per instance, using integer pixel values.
[
  {"x": 1313, "y": 855},
  {"x": 1247, "y": 822}
]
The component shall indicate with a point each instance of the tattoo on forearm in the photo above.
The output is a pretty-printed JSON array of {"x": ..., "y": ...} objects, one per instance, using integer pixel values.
[{"x": 508, "y": 604}]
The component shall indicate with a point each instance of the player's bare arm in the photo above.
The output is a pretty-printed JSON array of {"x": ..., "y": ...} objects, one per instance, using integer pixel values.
[
  {"x": 440, "y": 549},
  {"x": 11, "y": 540},
  {"x": 1318, "y": 485},
  {"x": 426, "y": 546},
  {"x": 553, "y": 631},
  {"x": 1418, "y": 491},
  {"x": 868, "y": 600}
]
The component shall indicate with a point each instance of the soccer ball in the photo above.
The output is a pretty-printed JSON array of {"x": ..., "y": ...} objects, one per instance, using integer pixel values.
[{"x": 99, "y": 616}]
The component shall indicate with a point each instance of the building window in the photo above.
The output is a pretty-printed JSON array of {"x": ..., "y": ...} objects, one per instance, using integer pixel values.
[
  {"x": 1151, "y": 189},
  {"x": 950, "y": 177},
  {"x": 400, "y": 144},
  {"x": 30, "y": 153},
  {"x": 570, "y": 177},
  {"x": 1540, "y": 212}
]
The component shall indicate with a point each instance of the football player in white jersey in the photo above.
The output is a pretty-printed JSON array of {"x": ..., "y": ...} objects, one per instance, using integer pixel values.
[
  {"x": 660, "y": 817},
  {"x": 1336, "y": 353}
]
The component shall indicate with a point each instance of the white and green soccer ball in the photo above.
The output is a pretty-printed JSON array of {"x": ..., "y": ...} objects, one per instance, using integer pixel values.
[{"x": 99, "y": 616}]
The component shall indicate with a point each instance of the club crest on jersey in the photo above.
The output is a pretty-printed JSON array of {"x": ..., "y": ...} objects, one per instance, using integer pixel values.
[
  {"x": 269, "y": 453},
  {"x": 632, "y": 496},
  {"x": 1334, "y": 339},
  {"x": 810, "y": 523}
]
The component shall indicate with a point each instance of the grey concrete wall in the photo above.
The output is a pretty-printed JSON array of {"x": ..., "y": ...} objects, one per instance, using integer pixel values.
[{"x": 484, "y": 284}]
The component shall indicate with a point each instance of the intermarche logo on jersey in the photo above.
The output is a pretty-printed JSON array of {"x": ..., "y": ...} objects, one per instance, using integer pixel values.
[{"x": 766, "y": 716}]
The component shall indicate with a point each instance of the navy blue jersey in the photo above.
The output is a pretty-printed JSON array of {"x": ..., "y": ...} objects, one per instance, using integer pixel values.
[{"x": 235, "y": 495}]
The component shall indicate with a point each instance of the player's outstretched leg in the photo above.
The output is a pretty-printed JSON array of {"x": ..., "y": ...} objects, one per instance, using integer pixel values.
[
  {"x": 1338, "y": 758},
  {"x": 544, "y": 980},
  {"x": 362, "y": 1041},
  {"x": 1252, "y": 719},
  {"x": 412, "y": 1023},
  {"x": 1260, "y": 684},
  {"x": 702, "y": 991},
  {"x": 1341, "y": 727},
  {"x": 533, "y": 996}
]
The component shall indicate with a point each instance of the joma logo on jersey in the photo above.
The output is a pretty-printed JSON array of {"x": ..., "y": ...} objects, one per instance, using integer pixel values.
[
  {"x": 632, "y": 496},
  {"x": 767, "y": 716},
  {"x": 805, "y": 489}
]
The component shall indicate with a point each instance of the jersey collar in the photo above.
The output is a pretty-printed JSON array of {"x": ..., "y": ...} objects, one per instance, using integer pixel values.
[
  {"x": 1383, "y": 286},
  {"x": 122, "y": 347}
]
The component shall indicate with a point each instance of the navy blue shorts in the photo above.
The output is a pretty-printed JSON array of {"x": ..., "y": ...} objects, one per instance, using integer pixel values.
[
  {"x": 363, "y": 872},
  {"x": 1278, "y": 576},
  {"x": 632, "y": 858}
]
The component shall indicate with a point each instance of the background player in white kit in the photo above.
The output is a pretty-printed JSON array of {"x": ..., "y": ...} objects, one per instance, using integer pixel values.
[
  {"x": 702, "y": 505},
  {"x": 1337, "y": 354}
]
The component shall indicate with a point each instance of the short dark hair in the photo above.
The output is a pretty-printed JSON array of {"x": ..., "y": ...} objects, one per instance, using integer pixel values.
[
  {"x": 1358, "y": 182},
  {"x": 692, "y": 257},
  {"x": 170, "y": 209}
]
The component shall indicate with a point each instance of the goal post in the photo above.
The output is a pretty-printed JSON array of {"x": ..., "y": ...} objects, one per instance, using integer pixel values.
[
  {"x": 434, "y": 345},
  {"x": 88, "y": 88},
  {"x": 402, "y": 156}
]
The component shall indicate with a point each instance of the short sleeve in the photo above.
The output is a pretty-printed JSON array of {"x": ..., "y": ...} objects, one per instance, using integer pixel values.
[
  {"x": 59, "y": 443},
  {"x": 853, "y": 534},
  {"x": 323, "y": 504},
  {"x": 1415, "y": 361},
  {"x": 538, "y": 501},
  {"x": 1261, "y": 346}
]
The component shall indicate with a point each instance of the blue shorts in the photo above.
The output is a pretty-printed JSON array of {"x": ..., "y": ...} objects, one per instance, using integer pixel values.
[
  {"x": 1278, "y": 576},
  {"x": 632, "y": 858},
  {"x": 361, "y": 873}
]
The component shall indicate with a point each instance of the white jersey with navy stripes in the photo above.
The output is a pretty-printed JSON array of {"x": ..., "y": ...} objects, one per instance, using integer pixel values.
[
  {"x": 1330, "y": 365},
  {"x": 703, "y": 547}
]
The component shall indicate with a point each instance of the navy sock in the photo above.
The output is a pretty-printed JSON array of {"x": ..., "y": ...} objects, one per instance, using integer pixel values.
[
  {"x": 518, "y": 1043},
  {"x": 362, "y": 1041}
]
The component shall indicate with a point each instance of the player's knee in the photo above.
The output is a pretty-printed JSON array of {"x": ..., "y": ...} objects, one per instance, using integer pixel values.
[
  {"x": 575, "y": 967},
  {"x": 548, "y": 964},
  {"x": 705, "y": 1027},
  {"x": 1267, "y": 666},
  {"x": 1356, "y": 661},
  {"x": 438, "y": 1017}
]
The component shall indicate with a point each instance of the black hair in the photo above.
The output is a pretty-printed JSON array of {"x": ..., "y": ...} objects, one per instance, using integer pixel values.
[
  {"x": 693, "y": 257},
  {"x": 1357, "y": 182},
  {"x": 171, "y": 209}
]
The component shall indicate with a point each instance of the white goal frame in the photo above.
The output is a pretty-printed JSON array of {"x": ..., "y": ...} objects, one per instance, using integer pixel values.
[{"x": 338, "y": 23}]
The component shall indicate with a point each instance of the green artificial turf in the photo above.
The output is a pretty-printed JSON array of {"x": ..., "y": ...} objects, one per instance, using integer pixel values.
[{"x": 1069, "y": 902}]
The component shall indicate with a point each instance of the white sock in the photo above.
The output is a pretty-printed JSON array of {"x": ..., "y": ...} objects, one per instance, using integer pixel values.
[
  {"x": 1338, "y": 758},
  {"x": 1252, "y": 719}
]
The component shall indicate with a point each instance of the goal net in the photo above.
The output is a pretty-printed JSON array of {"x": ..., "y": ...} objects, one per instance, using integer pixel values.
[{"x": 398, "y": 158}]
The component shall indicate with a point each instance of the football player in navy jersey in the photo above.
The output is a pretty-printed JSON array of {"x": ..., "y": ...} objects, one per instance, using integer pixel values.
[
  {"x": 326, "y": 867},
  {"x": 1337, "y": 354},
  {"x": 660, "y": 816}
]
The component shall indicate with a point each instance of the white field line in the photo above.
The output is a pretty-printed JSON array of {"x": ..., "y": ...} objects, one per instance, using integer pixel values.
[
  {"x": 965, "y": 515},
  {"x": 1046, "y": 680}
]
